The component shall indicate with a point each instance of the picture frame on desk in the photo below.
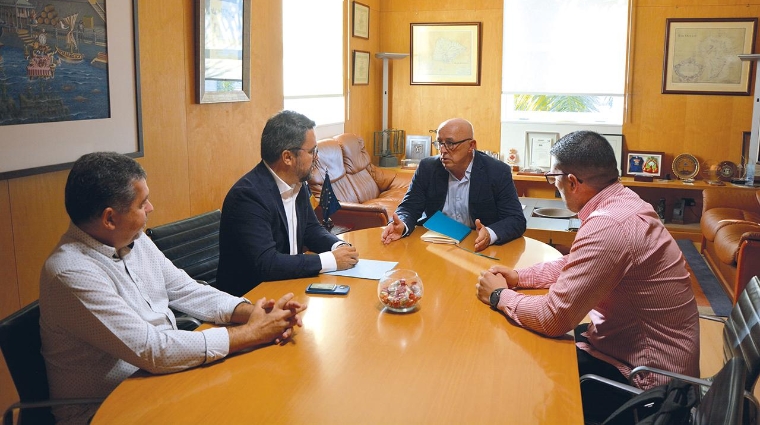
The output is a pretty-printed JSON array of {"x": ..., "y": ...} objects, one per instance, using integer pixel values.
[
  {"x": 643, "y": 164},
  {"x": 537, "y": 146},
  {"x": 702, "y": 56},
  {"x": 616, "y": 141}
]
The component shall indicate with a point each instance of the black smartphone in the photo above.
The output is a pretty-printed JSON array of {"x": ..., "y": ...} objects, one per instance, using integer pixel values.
[{"x": 327, "y": 288}]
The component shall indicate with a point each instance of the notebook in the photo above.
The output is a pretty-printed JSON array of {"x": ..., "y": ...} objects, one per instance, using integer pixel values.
[{"x": 444, "y": 229}]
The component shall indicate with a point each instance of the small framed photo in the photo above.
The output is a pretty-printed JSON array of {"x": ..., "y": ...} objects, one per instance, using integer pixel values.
[
  {"x": 702, "y": 56},
  {"x": 643, "y": 163},
  {"x": 418, "y": 147},
  {"x": 360, "y": 21},
  {"x": 360, "y": 69},
  {"x": 537, "y": 150}
]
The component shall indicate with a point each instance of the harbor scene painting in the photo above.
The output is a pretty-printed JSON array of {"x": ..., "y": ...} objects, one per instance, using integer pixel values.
[{"x": 53, "y": 61}]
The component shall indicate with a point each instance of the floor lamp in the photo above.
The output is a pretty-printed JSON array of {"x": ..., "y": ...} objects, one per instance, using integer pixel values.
[
  {"x": 389, "y": 144},
  {"x": 754, "y": 141}
]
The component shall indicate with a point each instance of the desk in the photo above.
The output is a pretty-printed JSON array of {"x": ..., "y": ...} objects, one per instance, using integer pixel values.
[{"x": 452, "y": 361}]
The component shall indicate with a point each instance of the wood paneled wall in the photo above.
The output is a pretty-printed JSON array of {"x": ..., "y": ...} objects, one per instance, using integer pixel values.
[
  {"x": 194, "y": 153},
  {"x": 417, "y": 109}
]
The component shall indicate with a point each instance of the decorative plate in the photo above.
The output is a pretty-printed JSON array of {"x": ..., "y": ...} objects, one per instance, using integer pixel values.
[
  {"x": 553, "y": 212},
  {"x": 726, "y": 170},
  {"x": 685, "y": 166}
]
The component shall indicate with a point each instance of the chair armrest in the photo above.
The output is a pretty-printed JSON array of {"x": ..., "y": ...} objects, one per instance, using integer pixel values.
[
  {"x": 8, "y": 415},
  {"x": 389, "y": 179},
  {"x": 630, "y": 389},
  {"x": 686, "y": 378},
  {"x": 357, "y": 216},
  {"x": 187, "y": 323},
  {"x": 720, "y": 319}
]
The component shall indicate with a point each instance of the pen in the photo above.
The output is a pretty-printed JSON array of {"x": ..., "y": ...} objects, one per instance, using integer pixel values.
[{"x": 476, "y": 253}]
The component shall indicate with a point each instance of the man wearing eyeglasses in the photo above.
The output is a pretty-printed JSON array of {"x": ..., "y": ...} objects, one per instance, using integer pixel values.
[
  {"x": 624, "y": 271},
  {"x": 267, "y": 220},
  {"x": 466, "y": 185}
]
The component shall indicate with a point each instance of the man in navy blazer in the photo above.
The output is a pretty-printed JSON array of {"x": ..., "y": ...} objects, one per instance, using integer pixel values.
[
  {"x": 466, "y": 185},
  {"x": 267, "y": 219}
]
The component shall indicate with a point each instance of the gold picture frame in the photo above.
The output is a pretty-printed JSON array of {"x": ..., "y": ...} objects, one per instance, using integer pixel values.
[
  {"x": 702, "y": 56},
  {"x": 446, "y": 53},
  {"x": 360, "y": 68},
  {"x": 360, "y": 20}
]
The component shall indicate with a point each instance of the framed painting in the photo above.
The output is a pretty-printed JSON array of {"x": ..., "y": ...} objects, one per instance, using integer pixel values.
[
  {"x": 360, "y": 15},
  {"x": 222, "y": 45},
  {"x": 360, "y": 68},
  {"x": 71, "y": 86},
  {"x": 446, "y": 53},
  {"x": 702, "y": 56},
  {"x": 643, "y": 163}
]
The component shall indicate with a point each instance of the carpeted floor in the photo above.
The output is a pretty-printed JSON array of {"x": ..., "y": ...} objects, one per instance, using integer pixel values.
[{"x": 711, "y": 299}]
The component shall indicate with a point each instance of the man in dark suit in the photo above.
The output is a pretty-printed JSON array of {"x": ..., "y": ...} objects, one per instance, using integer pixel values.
[
  {"x": 466, "y": 185},
  {"x": 267, "y": 219}
]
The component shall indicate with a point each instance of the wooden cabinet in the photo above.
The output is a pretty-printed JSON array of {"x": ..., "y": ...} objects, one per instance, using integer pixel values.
[{"x": 670, "y": 190}]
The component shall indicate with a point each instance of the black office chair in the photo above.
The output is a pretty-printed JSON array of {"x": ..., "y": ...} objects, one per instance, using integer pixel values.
[
  {"x": 20, "y": 343},
  {"x": 722, "y": 404},
  {"x": 741, "y": 338},
  {"x": 192, "y": 244}
]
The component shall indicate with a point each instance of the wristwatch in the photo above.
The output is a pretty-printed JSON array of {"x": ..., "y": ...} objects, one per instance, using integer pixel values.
[{"x": 494, "y": 298}]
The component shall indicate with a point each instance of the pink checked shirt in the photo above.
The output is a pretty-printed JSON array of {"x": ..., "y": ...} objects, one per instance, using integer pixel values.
[{"x": 626, "y": 272}]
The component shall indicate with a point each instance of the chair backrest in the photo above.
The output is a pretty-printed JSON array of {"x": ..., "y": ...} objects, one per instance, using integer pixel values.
[
  {"x": 20, "y": 343},
  {"x": 192, "y": 244},
  {"x": 741, "y": 334},
  {"x": 724, "y": 400}
]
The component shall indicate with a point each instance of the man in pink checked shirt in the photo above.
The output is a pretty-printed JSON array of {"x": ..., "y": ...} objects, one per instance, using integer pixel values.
[{"x": 624, "y": 271}]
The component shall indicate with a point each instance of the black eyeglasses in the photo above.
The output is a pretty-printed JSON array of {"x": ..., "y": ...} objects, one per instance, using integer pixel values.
[
  {"x": 450, "y": 146},
  {"x": 313, "y": 152},
  {"x": 551, "y": 178}
]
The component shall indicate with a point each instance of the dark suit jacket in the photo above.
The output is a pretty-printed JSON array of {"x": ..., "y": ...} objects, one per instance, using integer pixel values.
[
  {"x": 493, "y": 197},
  {"x": 253, "y": 235}
]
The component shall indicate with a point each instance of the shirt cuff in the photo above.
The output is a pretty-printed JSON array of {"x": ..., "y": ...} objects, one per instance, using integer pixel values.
[
  {"x": 217, "y": 343},
  {"x": 492, "y": 234},
  {"x": 329, "y": 263},
  {"x": 508, "y": 301}
]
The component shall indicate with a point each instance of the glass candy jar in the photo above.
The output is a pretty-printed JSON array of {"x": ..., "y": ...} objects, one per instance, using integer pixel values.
[{"x": 400, "y": 290}]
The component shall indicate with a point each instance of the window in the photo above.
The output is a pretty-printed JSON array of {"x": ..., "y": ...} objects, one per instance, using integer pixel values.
[
  {"x": 313, "y": 59},
  {"x": 564, "y": 61}
]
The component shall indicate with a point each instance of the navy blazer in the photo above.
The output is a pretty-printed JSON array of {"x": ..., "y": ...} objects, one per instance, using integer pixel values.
[
  {"x": 493, "y": 197},
  {"x": 253, "y": 235}
]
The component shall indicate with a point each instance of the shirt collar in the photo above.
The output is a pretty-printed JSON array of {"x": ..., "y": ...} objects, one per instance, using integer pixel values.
[
  {"x": 283, "y": 187},
  {"x": 80, "y": 235},
  {"x": 593, "y": 203}
]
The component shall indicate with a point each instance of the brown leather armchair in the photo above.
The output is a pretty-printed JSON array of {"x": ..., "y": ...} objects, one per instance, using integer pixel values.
[
  {"x": 731, "y": 236},
  {"x": 368, "y": 194}
]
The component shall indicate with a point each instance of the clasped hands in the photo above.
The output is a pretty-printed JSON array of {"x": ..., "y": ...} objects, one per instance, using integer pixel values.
[
  {"x": 493, "y": 278},
  {"x": 395, "y": 230}
]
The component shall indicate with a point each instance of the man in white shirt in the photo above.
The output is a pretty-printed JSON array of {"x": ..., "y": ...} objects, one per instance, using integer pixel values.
[{"x": 106, "y": 289}]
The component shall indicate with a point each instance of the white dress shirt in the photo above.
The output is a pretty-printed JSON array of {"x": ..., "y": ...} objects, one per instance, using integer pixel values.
[{"x": 104, "y": 316}]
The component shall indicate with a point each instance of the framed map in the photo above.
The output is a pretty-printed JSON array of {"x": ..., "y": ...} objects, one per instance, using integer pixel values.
[
  {"x": 446, "y": 53},
  {"x": 702, "y": 56}
]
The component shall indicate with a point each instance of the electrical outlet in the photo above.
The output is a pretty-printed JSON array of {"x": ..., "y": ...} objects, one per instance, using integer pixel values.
[{"x": 689, "y": 202}]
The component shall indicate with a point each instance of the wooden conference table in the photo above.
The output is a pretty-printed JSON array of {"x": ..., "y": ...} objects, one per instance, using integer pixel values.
[{"x": 452, "y": 361}]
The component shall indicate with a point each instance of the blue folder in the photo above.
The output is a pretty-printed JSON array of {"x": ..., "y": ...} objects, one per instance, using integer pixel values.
[{"x": 446, "y": 225}]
